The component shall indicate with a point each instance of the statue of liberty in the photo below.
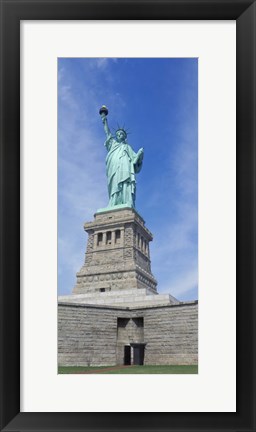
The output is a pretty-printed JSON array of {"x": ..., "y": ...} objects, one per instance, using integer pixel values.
[{"x": 122, "y": 164}]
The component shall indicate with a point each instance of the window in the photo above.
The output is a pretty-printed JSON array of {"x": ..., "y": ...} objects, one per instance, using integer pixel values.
[
  {"x": 109, "y": 237},
  {"x": 142, "y": 243},
  {"x": 118, "y": 236},
  {"x": 100, "y": 237}
]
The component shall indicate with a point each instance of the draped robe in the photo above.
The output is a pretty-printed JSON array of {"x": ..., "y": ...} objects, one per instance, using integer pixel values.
[{"x": 122, "y": 163}]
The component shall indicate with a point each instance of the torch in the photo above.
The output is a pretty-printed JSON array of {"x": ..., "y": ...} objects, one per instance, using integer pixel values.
[{"x": 103, "y": 111}]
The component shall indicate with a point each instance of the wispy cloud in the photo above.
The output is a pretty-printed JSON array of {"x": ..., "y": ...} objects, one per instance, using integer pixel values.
[
  {"x": 174, "y": 255},
  {"x": 82, "y": 185},
  {"x": 102, "y": 63},
  {"x": 184, "y": 285},
  {"x": 174, "y": 251}
]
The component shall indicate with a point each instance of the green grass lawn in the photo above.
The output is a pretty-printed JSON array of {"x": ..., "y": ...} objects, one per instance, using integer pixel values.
[{"x": 173, "y": 369}]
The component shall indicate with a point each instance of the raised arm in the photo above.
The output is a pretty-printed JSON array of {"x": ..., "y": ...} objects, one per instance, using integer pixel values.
[
  {"x": 103, "y": 113},
  {"x": 105, "y": 125}
]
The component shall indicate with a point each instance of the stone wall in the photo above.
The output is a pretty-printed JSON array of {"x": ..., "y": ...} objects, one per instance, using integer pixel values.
[
  {"x": 171, "y": 334},
  {"x": 90, "y": 335},
  {"x": 86, "y": 336}
]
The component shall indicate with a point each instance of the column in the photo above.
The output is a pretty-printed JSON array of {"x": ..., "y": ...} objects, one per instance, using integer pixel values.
[
  {"x": 104, "y": 239},
  {"x": 122, "y": 236},
  {"x": 95, "y": 240}
]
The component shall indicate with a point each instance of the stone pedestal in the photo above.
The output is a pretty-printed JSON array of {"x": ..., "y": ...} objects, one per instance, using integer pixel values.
[{"x": 117, "y": 254}]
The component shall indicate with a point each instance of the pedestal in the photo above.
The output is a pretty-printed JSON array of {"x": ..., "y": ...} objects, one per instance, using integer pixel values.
[{"x": 117, "y": 254}]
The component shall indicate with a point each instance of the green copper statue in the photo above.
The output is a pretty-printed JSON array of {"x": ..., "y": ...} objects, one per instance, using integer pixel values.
[{"x": 122, "y": 164}]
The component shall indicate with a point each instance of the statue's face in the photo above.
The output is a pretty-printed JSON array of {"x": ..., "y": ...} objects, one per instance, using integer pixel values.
[{"x": 120, "y": 136}]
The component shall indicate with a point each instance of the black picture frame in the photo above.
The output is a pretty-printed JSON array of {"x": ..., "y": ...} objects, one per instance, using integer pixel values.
[{"x": 12, "y": 12}]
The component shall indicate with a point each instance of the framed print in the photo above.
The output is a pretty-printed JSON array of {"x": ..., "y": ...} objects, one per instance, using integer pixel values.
[
  {"x": 87, "y": 345},
  {"x": 33, "y": 395}
]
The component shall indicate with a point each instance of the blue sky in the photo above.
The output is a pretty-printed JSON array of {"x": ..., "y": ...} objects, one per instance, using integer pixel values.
[{"x": 157, "y": 100}]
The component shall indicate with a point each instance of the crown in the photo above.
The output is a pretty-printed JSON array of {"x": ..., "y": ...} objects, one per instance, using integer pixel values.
[{"x": 119, "y": 128}]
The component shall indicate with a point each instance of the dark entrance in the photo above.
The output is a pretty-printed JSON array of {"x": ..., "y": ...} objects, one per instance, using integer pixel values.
[
  {"x": 127, "y": 355},
  {"x": 138, "y": 354}
]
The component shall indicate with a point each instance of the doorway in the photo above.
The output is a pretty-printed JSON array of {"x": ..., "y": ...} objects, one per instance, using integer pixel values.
[
  {"x": 138, "y": 354},
  {"x": 127, "y": 355}
]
